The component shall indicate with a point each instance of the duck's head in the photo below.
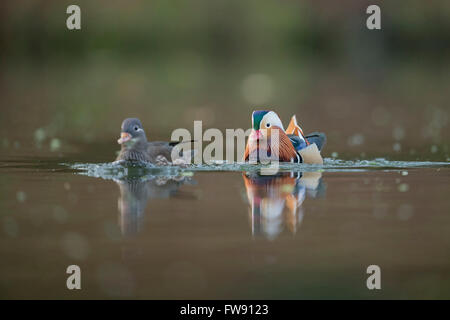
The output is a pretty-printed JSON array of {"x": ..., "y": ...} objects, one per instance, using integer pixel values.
[
  {"x": 263, "y": 121},
  {"x": 132, "y": 132}
]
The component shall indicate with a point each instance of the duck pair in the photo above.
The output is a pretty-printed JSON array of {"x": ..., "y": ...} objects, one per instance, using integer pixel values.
[{"x": 267, "y": 137}]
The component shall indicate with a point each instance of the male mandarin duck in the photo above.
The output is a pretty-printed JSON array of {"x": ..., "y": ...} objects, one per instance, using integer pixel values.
[
  {"x": 276, "y": 200},
  {"x": 135, "y": 147},
  {"x": 292, "y": 144}
]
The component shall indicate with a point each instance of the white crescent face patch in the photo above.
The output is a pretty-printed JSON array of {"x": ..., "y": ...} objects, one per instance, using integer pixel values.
[{"x": 269, "y": 120}]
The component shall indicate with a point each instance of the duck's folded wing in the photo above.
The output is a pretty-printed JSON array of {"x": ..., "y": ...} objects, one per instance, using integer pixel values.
[
  {"x": 182, "y": 148},
  {"x": 297, "y": 142},
  {"x": 159, "y": 148},
  {"x": 174, "y": 143},
  {"x": 319, "y": 138}
]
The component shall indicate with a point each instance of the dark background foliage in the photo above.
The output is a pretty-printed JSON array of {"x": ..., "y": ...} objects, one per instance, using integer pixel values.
[{"x": 375, "y": 93}]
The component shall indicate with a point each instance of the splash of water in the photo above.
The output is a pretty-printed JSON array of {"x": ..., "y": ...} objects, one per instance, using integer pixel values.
[{"x": 114, "y": 170}]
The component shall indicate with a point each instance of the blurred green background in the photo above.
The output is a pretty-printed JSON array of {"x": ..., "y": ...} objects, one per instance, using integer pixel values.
[{"x": 381, "y": 93}]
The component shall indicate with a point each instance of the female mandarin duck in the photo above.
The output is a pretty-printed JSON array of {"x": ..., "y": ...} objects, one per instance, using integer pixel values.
[
  {"x": 135, "y": 146},
  {"x": 291, "y": 145}
]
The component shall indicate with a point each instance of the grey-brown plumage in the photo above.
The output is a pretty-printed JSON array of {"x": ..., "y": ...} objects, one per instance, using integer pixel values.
[
  {"x": 134, "y": 194},
  {"x": 135, "y": 146}
]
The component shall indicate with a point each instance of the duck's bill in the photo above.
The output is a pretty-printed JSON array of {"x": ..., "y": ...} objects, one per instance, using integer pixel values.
[{"x": 124, "y": 137}]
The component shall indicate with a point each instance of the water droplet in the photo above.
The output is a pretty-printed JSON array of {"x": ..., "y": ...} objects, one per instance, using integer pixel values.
[
  {"x": 257, "y": 88},
  {"x": 356, "y": 140},
  {"x": 21, "y": 196},
  {"x": 39, "y": 135},
  {"x": 55, "y": 144},
  {"x": 398, "y": 133},
  {"x": 404, "y": 187}
]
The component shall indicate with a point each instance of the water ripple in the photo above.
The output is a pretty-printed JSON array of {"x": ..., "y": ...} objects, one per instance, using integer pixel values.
[{"x": 114, "y": 170}]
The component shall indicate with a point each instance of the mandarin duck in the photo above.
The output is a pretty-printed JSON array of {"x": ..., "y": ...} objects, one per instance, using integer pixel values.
[
  {"x": 292, "y": 144},
  {"x": 135, "y": 147},
  {"x": 276, "y": 201},
  {"x": 136, "y": 192}
]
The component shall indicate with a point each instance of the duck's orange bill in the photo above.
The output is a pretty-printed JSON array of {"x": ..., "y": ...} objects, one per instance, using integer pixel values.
[{"x": 124, "y": 137}]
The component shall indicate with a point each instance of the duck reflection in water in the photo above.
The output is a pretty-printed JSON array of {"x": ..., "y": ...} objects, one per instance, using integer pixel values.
[
  {"x": 135, "y": 193},
  {"x": 276, "y": 200}
]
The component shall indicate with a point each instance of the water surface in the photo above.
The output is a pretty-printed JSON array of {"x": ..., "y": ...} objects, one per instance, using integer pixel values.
[{"x": 224, "y": 231}]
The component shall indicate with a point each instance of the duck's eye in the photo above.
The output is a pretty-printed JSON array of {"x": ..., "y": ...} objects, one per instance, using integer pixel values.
[
  {"x": 136, "y": 128},
  {"x": 268, "y": 125}
]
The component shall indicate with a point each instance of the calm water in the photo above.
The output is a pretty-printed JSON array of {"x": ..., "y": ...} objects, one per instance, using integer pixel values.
[{"x": 224, "y": 231}]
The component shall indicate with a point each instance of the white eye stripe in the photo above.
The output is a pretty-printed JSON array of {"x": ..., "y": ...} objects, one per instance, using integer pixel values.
[{"x": 272, "y": 119}]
